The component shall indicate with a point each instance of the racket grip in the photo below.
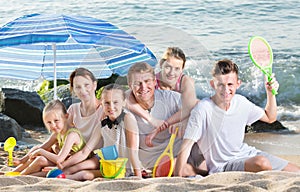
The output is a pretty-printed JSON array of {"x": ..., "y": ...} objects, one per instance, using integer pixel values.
[{"x": 274, "y": 92}]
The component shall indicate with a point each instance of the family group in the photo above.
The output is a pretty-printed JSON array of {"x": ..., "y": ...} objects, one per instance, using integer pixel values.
[{"x": 141, "y": 119}]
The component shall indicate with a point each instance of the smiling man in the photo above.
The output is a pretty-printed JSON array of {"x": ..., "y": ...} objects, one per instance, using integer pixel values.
[
  {"x": 161, "y": 104},
  {"x": 217, "y": 124}
]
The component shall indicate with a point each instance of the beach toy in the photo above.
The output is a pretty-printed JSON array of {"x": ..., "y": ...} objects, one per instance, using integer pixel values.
[
  {"x": 12, "y": 173},
  {"x": 56, "y": 173},
  {"x": 109, "y": 152},
  {"x": 164, "y": 165},
  {"x": 112, "y": 169},
  {"x": 9, "y": 146},
  {"x": 261, "y": 55}
]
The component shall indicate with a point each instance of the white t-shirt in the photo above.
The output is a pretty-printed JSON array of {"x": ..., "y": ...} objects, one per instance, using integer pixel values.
[
  {"x": 166, "y": 104},
  {"x": 220, "y": 133},
  {"x": 87, "y": 125},
  {"x": 116, "y": 136}
]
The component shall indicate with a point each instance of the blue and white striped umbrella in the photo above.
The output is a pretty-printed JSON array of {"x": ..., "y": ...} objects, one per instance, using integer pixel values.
[{"x": 52, "y": 46}]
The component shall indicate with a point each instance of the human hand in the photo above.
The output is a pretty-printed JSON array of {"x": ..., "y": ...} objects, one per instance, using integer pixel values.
[
  {"x": 16, "y": 161},
  {"x": 156, "y": 123},
  {"x": 60, "y": 165},
  {"x": 46, "y": 169},
  {"x": 35, "y": 153},
  {"x": 271, "y": 85},
  {"x": 181, "y": 128},
  {"x": 150, "y": 137}
]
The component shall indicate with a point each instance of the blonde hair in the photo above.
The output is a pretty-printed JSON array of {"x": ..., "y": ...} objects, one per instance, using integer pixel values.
[
  {"x": 173, "y": 52},
  {"x": 55, "y": 105}
]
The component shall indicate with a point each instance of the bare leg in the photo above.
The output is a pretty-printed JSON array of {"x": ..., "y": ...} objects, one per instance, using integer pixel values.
[
  {"x": 292, "y": 168},
  {"x": 36, "y": 165},
  {"x": 40, "y": 174},
  {"x": 84, "y": 175},
  {"x": 22, "y": 166},
  {"x": 89, "y": 164},
  {"x": 190, "y": 170},
  {"x": 257, "y": 163}
]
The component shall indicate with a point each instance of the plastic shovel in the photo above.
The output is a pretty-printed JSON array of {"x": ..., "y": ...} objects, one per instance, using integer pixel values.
[{"x": 9, "y": 146}]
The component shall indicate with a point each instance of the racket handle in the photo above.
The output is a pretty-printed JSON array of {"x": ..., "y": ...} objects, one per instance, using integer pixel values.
[{"x": 274, "y": 92}]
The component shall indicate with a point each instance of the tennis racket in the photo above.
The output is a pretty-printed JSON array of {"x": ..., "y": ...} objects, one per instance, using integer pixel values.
[
  {"x": 262, "y": 56},
  {"x": 164, "y": 165}
]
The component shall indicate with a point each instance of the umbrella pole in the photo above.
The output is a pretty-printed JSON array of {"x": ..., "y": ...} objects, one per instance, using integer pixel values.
[{"x": 54, "y": 68}]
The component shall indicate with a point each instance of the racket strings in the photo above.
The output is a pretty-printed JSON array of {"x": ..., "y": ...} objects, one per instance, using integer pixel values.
[{"x": 260, "y": 52}]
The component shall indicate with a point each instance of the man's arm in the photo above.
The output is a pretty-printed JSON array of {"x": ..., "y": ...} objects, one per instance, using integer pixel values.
[{"x": 182, "y": 157}]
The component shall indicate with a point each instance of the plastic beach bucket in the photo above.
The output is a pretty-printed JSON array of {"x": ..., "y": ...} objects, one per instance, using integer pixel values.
[{"x": 113, "y": 168}]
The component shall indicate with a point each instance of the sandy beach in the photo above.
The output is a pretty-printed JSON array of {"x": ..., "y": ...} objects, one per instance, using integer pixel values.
[{"x": 229, "y": 181}]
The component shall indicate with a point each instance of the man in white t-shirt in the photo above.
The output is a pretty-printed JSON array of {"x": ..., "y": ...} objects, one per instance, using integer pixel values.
[
  {"x": 217, "y": 124},
  {"x": 161, "y": 104}
]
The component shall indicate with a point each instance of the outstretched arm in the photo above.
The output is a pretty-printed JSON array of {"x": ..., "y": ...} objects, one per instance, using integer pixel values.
[
  {"x": 132, "y": 140},
  {"x": 271, "y": 105},
  {"x": 134, "y": 107},
  {"x": 188, "y": 99},
  {"x": 23, "y": 162},
  {"x": 71, "y": 139},
  {"x": 182, "y": 157},
  {"x": 84, "y": 153}
]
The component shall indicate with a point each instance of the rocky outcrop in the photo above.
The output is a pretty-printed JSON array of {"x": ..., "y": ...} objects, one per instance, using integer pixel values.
[
  {"x": 23, "y": 106},
  {"x": 9, "y": 128},
  {"x": 260, "y": 126}
]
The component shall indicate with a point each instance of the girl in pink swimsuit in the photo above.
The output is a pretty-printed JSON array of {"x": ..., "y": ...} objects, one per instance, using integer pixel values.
[{"x": 170, "y": 77}]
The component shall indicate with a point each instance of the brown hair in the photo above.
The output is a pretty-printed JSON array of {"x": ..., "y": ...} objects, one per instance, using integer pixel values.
[
  {"x": 140, "y": 67},
  {"x": 224, "y": 67},
  {"x": 113, "y": 86},
  {"x": 81, "y": 72},
  {"x": 173, "y": 52}
]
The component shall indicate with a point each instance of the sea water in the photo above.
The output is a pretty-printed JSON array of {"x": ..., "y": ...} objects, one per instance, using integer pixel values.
[{"x": 206, "y": 30}]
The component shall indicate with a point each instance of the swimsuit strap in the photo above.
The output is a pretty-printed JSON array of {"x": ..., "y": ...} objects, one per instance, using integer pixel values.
[{"x": 178, "y": 83}]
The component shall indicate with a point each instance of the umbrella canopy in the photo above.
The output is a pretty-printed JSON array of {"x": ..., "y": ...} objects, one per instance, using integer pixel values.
[{"x": 52, "y": 46}]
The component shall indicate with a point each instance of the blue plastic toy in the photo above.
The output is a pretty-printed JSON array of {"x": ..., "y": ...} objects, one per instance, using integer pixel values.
[{"x": 56, "y": 173}]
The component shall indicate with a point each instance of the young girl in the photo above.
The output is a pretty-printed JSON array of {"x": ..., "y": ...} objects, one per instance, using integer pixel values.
[
  {"x": 63, "y": 142},
  {"x": 119, "y": 127},
  {"x": 171, "y": 77}
]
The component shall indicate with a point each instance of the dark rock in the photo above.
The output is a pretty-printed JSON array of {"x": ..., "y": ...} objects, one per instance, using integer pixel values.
[
  {"x": 23, "y": 106},
  {"x": 259, "y": 126},
  {"x": 63, "y": 94},
  {"x": 9, "y": 128}
]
